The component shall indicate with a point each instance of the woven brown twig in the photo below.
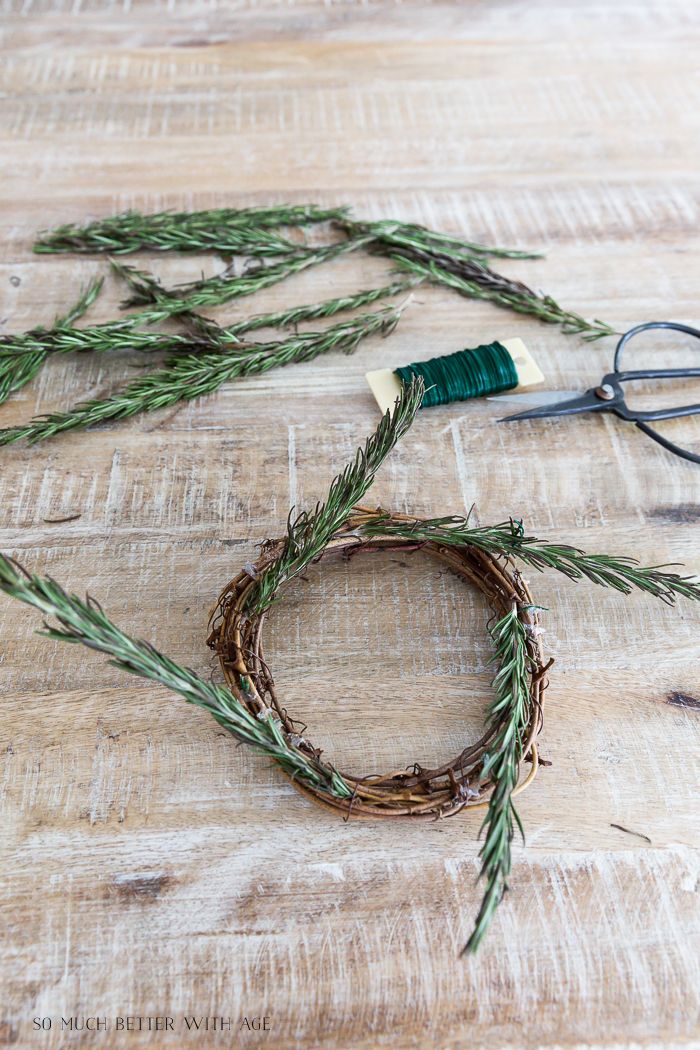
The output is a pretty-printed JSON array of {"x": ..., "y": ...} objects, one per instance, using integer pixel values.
[{"x": 237, "y": 638}]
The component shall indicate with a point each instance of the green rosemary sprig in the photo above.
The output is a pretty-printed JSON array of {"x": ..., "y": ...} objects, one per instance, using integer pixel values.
[
  {"x": 508, "y": 539},
  {"x": 512, "y": 699},
  {"x": 222, "y": 288},
  {"x": 206, "y": 334},
  {"x": 16, "y": 371},
  {"x": 83, "y": 304},
  {"x": 308, "y": 534},
  {"x": 99, "y": 338},
  {"x": 291, "y": 317},
  {"x": 413, "y": 236},
  {"x": 472, "y": 278},
  {"x": 86, "y": 623},
  {"x": 230, "y": 230},
  {"x": 190, "y": 375},
  {"x": 460, "y": 265},
  {"x": 236, "y": 239}
]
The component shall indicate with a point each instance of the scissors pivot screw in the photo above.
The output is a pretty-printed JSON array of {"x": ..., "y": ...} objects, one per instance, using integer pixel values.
[{"x": 605, "y": 392}]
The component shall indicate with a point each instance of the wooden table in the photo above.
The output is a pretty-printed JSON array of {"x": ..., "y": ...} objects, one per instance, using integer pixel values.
[{"x": 151, "y": 868}]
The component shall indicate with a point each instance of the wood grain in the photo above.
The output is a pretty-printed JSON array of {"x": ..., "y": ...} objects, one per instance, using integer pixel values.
[{"x": 152, "y": 868}]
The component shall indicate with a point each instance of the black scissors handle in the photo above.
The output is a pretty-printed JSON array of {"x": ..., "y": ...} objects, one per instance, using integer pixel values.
[
  {"x": 671, "y": 446},
  {"x": 642, "y": 419},
  {"x": 646, "y": 327},
  {"x": 658, "y": 373},
  {"x": 618, "y": 405}
]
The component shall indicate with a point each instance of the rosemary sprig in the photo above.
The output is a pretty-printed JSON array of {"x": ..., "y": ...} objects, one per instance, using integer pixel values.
[
  {"x": 234, "y": 239},
  {"x": 16, "y": 371},
  {"x": 392, "y": 233},
  {"x": 509, "y": 716},
  {"x": 219, "y": 337},
  {"x": 221, "y": 229},
  {"x": 86, "y": 623},
  {"x": 223, "y": 287},
  {"x": 508, "y": 539},
  {"x": 190, "y": 375},
  {"x": 291, "y": 317},
  {"x": 460, "y": 265},
  {"x": 472, "y": 278},
  {"x": 99, "y": 338},
  {"x": 308, "y": 534},
  {"x": 83, "y": 304},
  {"x": 206, "y": 334}
]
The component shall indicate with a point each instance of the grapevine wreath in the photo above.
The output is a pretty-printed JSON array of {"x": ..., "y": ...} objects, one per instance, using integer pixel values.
[
  {"x": 486, "y": 773},
  {"x": 237, "y": 639}
]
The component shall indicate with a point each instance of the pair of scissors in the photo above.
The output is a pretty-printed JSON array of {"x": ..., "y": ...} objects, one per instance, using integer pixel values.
[{"x": 608, "y": 395}]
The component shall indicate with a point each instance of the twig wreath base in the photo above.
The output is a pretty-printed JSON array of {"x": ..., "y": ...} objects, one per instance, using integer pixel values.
[{"x": 463, "y": 783}]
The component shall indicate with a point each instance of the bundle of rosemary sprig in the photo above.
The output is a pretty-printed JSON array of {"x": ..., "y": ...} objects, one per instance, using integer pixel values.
[
  {"x": 510, "y": 711},
  {"x": 205, "y": 363},
  {"x": 460, "y": 265},
  {"x": 234, "y": 230},
  {"x": 419, "y": 254},
  {"x": 425, "y": 254}
]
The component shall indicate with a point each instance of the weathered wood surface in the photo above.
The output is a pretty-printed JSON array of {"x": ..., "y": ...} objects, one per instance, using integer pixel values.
[{"x": 152, "y": 868}]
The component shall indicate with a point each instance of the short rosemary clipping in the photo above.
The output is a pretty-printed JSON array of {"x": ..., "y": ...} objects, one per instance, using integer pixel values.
[
  {"x": 485, "y": 774},
  {"x": 273, "y": 245}
]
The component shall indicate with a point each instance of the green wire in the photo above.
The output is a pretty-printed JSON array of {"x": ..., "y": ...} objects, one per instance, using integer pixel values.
[{"x": 486, "y": 369}]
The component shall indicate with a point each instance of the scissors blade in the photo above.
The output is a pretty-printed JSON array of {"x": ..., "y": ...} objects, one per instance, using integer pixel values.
[{"x": 561, "y": 407}]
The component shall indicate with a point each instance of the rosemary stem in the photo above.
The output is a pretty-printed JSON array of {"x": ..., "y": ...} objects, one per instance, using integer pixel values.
[
  {"x": 85, "y": 622},
  {"x": 507, "y": 539}
]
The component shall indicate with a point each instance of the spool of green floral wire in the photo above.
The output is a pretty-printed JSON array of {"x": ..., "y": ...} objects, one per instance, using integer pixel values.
[
  {"x": 477, "y": 372},
  {"x": 486, "y": 369}
]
